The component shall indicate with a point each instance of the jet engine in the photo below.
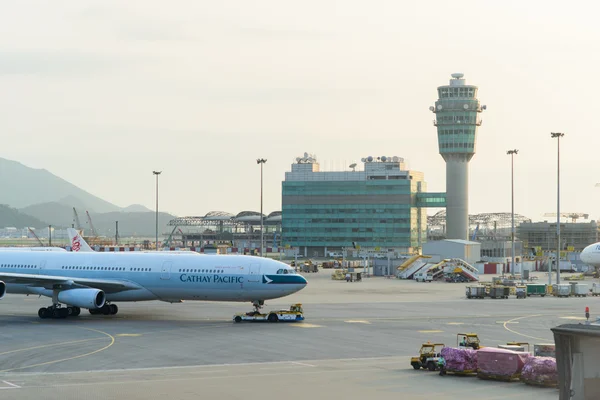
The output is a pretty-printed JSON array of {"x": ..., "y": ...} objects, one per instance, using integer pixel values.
[
  {"x": 83, "y": 298},
  {"x": 2, "y": 289}
]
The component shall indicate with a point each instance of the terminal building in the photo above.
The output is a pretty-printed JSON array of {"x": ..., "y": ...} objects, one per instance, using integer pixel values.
[
  {"x": 573, "y": 236},
  {"x": 381, "y": 208}
]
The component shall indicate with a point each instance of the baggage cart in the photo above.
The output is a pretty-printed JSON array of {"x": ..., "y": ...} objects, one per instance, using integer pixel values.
[
  {"x": 561, "y": 290},
  {"x": 579, "y": 290},
  {"x": 536, "y": 289},
  {"x": 499, "y": 292},
  {"x": 475, "y": 292}
]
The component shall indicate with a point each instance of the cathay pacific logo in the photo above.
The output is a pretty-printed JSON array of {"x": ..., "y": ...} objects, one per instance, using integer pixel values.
[
  {"x": 267, "y": 280},
  {"x": 76, "y": 243}
]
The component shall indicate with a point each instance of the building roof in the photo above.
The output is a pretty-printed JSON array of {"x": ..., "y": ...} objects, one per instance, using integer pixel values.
[
  {"x": 578, "y": 329},
  {"x": 460, "y": 241}
]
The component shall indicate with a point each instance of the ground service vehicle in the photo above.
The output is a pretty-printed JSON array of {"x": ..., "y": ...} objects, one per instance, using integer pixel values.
[
  {"x": 423, "y": 277},
  {"x": 428, "y": 356},
  {"x": 468, "y": 340},
  {"x": 294, "y": 314}
]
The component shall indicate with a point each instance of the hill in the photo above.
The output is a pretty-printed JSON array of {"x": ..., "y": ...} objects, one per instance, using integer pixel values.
[
  {"x": 12, "y": 217},
  {"x": 136, "y": 208},
  {"x": 23, "y": 186},
  {"x": 130, "y": 223}
]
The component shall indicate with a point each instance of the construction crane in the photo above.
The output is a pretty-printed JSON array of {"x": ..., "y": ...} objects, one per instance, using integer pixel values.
[
  {"x": 475, "y": 233},
  {"x": 574, "y": 216},
  {"x": 36, "y": 236},
  {"x": 77, "y": 222},
  {"x": 94, "y": 233},
  {"x": 167, "y": 242}
]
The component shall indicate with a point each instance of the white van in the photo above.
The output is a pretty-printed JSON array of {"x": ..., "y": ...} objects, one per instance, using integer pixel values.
[{"x": 423, "y": 277}]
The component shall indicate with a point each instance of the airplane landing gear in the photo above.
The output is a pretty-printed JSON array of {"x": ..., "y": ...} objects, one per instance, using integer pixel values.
[
  {"x": 57, "y": 311},
  {"x": 107, "y": 309},
  {"x": 258, "y": 304}
]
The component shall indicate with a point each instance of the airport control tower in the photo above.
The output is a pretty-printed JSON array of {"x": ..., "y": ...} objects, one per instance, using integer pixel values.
[{"x": 457, "y": 110}]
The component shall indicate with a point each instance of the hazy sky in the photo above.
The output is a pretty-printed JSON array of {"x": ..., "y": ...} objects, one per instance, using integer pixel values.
[{"x": 103, "y": 92}]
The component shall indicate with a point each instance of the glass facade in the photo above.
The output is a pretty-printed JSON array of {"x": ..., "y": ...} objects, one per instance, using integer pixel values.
[{"x": 374, "y": 212}]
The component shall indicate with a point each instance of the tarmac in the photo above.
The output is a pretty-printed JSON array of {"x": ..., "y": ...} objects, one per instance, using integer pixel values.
[{"x": 355, "y": 342}]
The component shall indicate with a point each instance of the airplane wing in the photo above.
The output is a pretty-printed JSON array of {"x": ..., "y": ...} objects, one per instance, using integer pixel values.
[{"x": 65, "y": 282}]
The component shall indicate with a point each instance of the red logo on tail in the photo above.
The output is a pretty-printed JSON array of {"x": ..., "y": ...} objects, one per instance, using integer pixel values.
[{"x": 76, "y": 243}]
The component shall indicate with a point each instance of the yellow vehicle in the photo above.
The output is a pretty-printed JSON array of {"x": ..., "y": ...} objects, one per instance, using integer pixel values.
[
  {"x": 468, "y": 340},
  {"x": 294, "y": 314},
  {"x": 428, "y": 356}
]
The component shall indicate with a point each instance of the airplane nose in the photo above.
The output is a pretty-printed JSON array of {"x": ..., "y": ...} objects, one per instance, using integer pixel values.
[{"x": 303, "y": 281}]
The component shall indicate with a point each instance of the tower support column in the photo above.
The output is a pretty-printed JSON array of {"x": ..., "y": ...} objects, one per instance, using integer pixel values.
[{"x": 457, "y": 197}]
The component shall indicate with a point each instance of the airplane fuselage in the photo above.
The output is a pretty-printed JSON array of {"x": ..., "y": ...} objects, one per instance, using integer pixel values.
[{"x": 158, "y": 275}]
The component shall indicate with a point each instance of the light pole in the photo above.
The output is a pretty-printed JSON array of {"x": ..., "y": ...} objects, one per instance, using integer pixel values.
[
  {"x": 512, "y": 207},
  {"x": 261, "y": 161},
  {"x": 557, "y": 135},
  {"x": 157, "y": 173}
]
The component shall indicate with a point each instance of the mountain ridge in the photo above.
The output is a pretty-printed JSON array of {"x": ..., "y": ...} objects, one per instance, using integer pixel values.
[{"x": 23, "y": 186}]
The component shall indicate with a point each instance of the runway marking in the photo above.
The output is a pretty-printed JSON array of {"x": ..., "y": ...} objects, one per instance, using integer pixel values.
[
  {"x": 112, "y": 341},
  {"x": 129, "y": 334},
  {"x": 9, "y": 385},
  {"x": 197, "y": 366},
  {"x": 303, "y": 325},
  {"x": 522, "y": 334},
  {"x": 455, "y": 323},
  {"x": 357, "y": 321},
  {"x": 507, "y": 322},
  {"x": 190, "y": 378},
  {"x": 49, "y": 345},
  {"x": 577, "y": 318},
  {"x": 430, "y": 331},
  {"x": 303, "y": 364}
]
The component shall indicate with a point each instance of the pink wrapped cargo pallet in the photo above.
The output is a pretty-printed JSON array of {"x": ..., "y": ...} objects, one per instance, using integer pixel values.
[
  {"x": 500, "y": 364},
  {"x": 540, "y": 371},
  {"x": 460, "y": 360}
]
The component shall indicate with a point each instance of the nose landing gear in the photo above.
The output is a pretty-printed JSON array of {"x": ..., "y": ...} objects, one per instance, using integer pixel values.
[{"x": 258, "y": 304}]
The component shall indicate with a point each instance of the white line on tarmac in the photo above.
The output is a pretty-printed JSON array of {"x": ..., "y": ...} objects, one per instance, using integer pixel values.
[
  {"x": 10, "y": 385},
  {"x": 190, "y": 378},
  {"x": 99, "y": 371}
]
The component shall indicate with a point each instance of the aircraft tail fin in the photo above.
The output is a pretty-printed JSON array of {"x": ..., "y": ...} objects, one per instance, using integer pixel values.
[{"x": 77, "y": 242}]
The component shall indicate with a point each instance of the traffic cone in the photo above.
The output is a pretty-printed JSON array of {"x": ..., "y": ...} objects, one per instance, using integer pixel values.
[{"x": 587, "y": 314}]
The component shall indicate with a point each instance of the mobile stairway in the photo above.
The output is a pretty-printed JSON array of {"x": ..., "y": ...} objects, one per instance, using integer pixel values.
[
  {"x": 407, "y": 272},
  {"x": 437, "y": 270},
  {"x": 460, "y": 267}
]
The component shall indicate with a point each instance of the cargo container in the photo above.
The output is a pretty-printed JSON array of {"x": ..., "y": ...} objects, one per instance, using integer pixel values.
[
  {"x": 544, "y": 350},
  {"x": 580, "y": 290},
  {"x": 520, "y": 349},
  {"x": 475, "y": 292},
  {"x": 500, "y": 364},
  {"x": 595, "y": 289},
  {"x": 499, "y": 292},
  {"x": 536, "y": 289},
  {"x": 561, "y": 290}
]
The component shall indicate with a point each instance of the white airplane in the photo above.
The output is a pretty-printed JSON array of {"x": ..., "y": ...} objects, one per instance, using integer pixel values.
[
  {"x": 78, "y": 244},
  {"x": 93, "y": 280},
  {"x": 32, "y": 249},
  {"x": 591, "y": 255}
]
